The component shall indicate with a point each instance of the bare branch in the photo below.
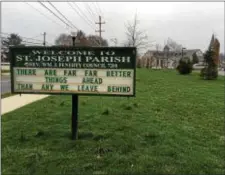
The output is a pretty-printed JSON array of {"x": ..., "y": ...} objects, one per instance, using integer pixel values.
[
  {"x": 174, "y": 45},
  {"x": 136, "y": 37}
]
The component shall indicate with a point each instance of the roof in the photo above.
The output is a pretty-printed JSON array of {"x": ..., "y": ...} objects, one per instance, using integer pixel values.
[
  {"x": 186, "y": 53},
  {"x": 190, "y": 52},
  {"x": 167, "y": 47}
]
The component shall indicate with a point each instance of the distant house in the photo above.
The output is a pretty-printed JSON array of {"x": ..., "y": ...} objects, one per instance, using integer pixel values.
[{"x": 168, "y": 57}]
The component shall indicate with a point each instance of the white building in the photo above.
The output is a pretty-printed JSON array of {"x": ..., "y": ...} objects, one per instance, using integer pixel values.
[{"x": 168, "y": 58}]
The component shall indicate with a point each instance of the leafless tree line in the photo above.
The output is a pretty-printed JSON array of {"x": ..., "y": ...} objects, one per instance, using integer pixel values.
[{"x": 138, "y": 38}]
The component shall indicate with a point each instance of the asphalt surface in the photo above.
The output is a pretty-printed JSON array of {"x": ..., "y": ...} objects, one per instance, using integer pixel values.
[{"x": 5, "y": 84}]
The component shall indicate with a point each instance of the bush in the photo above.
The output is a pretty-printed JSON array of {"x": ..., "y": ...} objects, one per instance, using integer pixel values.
[
  {"x": 195, "y": 59},
  {"x": 208, "y": 73},
  {"x": 185, "y": 66}
]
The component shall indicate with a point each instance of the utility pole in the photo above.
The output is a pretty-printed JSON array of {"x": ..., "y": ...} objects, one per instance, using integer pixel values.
[
  {"x": 100, "y": 28},
  {"x": 44, "y": 42},
  {"x": 182, "y": 52}
]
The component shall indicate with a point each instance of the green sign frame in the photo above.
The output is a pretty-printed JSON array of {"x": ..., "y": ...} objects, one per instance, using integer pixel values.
[{"x": 31, "y": 55}]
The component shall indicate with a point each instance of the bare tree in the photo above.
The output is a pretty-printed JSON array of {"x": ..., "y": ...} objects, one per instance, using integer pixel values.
[
  {"x": 66, "y": 39},
  {"x": 62, "y": 39},
  {"x": 81, "y": 40},
  {"x": 81, "y": 34},
  {"x": 12, "y": 40},
  {"x": 135, "y": 36},
  {"x": 174, "y": 45},
  {"x": 95, "y": 40},
  {"x": 158, "y": 47}
]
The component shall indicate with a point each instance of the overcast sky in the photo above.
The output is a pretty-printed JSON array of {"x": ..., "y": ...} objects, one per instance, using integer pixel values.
[{"x": 188, "y": 23}]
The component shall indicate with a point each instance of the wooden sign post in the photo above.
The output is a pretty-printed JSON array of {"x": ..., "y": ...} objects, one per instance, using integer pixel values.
[{"x": 108, "y": 71}]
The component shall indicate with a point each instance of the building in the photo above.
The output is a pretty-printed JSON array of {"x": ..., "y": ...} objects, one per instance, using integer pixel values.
[{"x": 168, "y": 57}]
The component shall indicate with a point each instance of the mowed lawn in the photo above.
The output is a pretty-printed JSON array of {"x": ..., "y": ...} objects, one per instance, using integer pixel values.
[{"x": 175, "y": 125}]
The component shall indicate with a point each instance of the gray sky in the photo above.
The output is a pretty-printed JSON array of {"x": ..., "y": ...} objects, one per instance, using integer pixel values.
[{"x": 188, "y": 23}]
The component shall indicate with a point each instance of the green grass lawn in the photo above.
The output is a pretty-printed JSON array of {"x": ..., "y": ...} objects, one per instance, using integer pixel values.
[{"x": 175, "y": 125}]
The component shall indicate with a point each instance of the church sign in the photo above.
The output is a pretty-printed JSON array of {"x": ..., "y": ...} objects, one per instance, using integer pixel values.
[{"x": 73, "y": 70}]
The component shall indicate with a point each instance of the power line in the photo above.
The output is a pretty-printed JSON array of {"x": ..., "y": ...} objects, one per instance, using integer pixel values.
[
  {"x": 82, "y": 13},
  {"x": 25, "y": 38},
  {"x": 62, "y": 15},
  {"x": 78, "y": 12},
  {"x": 87, "y": 20},
  {"x": 111, "y": 28},
  {"x": 90, "y": 10},
  {"x": 54, "y": 14},
  {"x": 99, "y": 8},
  {"x": 43, "y": 14},
  {"x": 36, "y": 36},
  {"x": 21, "y": 36},
  {"x": 96, "y": 8},
  {"x": 28, "y": 42}
]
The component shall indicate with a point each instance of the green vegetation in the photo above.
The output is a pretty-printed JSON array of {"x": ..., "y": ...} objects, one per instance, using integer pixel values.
[
  {"x": 185, "y": 66},
  {"x": 175, "y": 125},
  {"x": 210, "y": 71},
  {"x": 195, "y": 59}
]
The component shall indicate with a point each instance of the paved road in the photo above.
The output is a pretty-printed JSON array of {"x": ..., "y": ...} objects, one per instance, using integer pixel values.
[{"x": 5, "y": 84}]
